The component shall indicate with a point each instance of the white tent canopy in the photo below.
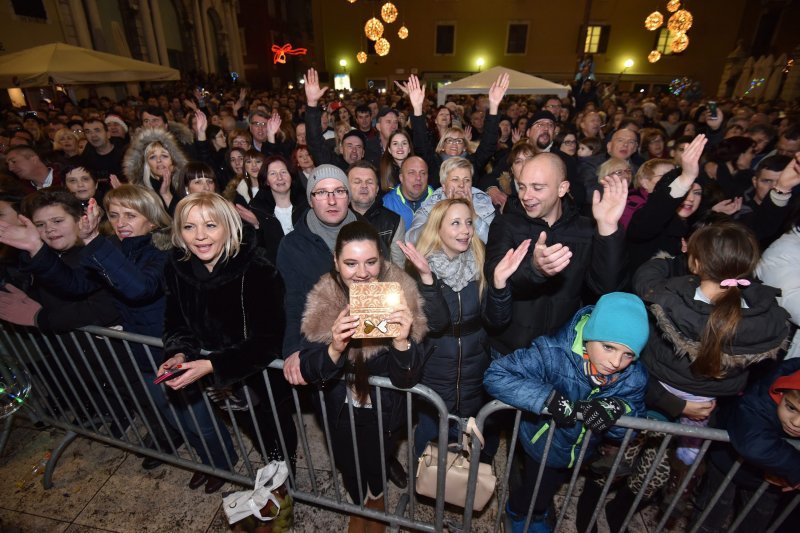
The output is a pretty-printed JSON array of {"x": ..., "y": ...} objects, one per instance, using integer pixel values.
[{"x": 519, "y": 83}]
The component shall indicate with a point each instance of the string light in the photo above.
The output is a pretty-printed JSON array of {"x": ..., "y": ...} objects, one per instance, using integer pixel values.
[
  {"x": 402, "y": 32},
  {"x": 361, "y": 57},
  {"x": 654, "y": 21},
  {"x": 680, "y": 43},
  {"x": 373, "y": 29},
  {"x": 654, "y": 56},
  {"x": 673, "y": 5},
  {"x": 388, "y": 13},
  {"x": 382, "y": 47},
  {"x": 680, "y": 22}
]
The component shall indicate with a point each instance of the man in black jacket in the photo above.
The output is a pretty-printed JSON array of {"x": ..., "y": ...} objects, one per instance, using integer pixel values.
[
  {"x": 363, "y": 181},
  {"x": 570, "y": 252}
]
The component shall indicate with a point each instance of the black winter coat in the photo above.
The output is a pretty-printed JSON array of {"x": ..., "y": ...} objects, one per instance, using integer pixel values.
[
  {"x": 677, "y": 324},
  {"x": 234, "y": 312},
  {"x": 62, "y": 309},
  {"x": 541, "y": 305},
  {"x": 461, "y": 355}
]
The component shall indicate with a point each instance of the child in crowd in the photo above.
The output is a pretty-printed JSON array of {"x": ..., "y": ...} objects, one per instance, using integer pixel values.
[
  {"x": 587, "y": 367},
  {"x": 588, "y": 147},
  {"x": 759, "y": 424}
]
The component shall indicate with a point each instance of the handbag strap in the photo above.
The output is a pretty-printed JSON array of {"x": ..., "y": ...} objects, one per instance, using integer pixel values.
[{"x": 472, "y": 430}]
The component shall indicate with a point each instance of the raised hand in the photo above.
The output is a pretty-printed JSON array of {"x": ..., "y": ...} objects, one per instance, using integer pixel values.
[
  {"x": 516, "y": 135},
  {"x": 89, "y": 222},
  {"x": 311, "y": 85},
  {"x": 715, "y": 123},
  {"x": 467, "y": 133},
  {"x": 415, "y": 92},
  {"x": 509, "y": 264},
  {"x": 22, "y": 236},
  {"x": 418, "y": 260},
  {"x": 200, "y": 124},
  {"x": 273, "y": 126},
  {"x": 114, "y": 180},
  {"x": 497, "y": 91},
  {"x": 608, "y": 209},
  {"x": 789, "y": 178},
  {"x": 550, "y": 260},
  {"x": 690, "y": 167}
]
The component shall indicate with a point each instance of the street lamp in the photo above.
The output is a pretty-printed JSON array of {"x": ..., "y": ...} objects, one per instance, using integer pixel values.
[
  {"x": 628, "y": 64},
  {"x": 480, "y": 63},
  {"x": 343, "y": 64}
]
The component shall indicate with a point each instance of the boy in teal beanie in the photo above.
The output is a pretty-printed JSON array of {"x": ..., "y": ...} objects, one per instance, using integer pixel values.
[{"x": 587, "y": 367}]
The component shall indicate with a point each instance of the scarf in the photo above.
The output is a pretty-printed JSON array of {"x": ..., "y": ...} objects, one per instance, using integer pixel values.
[
  {"x": 456, "y": 273},
  {"x": 325, "y": 232}
]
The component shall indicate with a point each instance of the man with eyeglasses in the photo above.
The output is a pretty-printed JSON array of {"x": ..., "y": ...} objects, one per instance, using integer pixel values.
[
  {"x": 306, "y": 253},
  {"x": 623, "y": 145},
  {"x": 258, "y": 122},
  {"x": 553, "y": 105},
  {"x": 352, "y": 143}
]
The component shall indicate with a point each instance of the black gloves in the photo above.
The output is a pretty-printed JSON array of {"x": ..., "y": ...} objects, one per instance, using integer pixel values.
[
  {"x": 560, "y": 410},
  {"x": 601, "y": 413}
]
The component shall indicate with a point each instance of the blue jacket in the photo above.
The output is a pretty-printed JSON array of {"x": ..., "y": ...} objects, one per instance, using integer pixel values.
[
  {"x": 757, "y": 434},
  {"x": 395, "y": 201},
  {"x": 526, "y": 377}
]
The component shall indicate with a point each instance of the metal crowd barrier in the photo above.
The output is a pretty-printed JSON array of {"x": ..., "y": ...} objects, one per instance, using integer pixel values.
[{"x": 87, "y": 383}]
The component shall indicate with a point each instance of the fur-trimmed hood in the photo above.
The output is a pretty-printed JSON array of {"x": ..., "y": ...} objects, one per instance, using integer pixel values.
[
  {"x": 761, "y": 334},
  {"x": 326, "y": 300},
  {"x": 133, "y": 163}
]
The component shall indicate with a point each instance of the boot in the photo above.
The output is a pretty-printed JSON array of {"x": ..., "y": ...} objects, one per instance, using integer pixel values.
[
  {"x": 357, "y": 524},
  {"x": 618, "y": 508},
  {"x": 376, "y": 504}
]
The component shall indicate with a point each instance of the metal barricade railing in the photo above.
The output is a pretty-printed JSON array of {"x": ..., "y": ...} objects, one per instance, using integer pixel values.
[
  {"x": 669, "y": 431},
  {"x": 90, "y": 383}
]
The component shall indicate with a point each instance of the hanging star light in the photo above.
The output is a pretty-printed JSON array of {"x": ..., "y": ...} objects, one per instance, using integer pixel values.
[
  {"x": 388, "y": 13},
  {"x": 654, "y": 56},
  {"x": 382, "y": 47},
  {"x": 361, "y": 57},
  {"x": 673, "y": 5},
  {"x": 373, "y": 29},
  {"x": 402, "y": 32},
  {"x": 680, "y": 22},
  {"x": 680, "y": 43},
  {"x": 654, "y": 21}
]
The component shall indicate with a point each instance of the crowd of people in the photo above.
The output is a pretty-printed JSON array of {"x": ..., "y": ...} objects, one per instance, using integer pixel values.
[{"x": 603, "y": 254}]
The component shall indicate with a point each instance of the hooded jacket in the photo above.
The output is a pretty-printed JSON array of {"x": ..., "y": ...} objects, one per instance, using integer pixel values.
[
  {"x": 134, "y": 161},
  {"x": 527, "y": 377},
  {"x": 324, "y": 303},
  {"x": 676, "y": 327},
  {"x": 756, "y": 432},
  {"x": 481, "y": 203}
]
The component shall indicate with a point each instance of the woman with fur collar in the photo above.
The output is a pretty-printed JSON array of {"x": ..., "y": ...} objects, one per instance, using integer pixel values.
[
  {"x": 155, "y": 159},
  {"x": 329, "y": 352}
]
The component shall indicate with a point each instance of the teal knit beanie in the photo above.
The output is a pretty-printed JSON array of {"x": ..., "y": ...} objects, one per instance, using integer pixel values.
[{"x": 619, "y": 317}]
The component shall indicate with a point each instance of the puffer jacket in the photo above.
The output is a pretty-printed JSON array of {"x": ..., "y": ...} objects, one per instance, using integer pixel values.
[
  {"x": 461, "y": 355},
  {"x": 676, "y": 327},
  {"x": 756, "y": 432},
  {"x": 527, "y": 377},
  {"x": 543, "y": 304},
  {"x": 481, "y": 203}
]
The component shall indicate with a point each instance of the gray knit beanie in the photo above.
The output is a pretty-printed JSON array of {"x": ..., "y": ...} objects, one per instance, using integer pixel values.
[{"x": 324, "y": 172}]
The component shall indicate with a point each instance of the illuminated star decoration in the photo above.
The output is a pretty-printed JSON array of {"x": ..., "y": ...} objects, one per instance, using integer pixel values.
[{"x": 281, "y": 51}]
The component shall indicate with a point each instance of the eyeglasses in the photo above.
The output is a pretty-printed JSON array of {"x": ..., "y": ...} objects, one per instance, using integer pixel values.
[
  {"x": 621, "y": 172},
  {"x": 626, "y": 143},
  {"x": 258, "y": 124},
  {"x": 336, "y": 193},
  {"x": 570, "y": 143},
  {"x": 451, "y": 140}
]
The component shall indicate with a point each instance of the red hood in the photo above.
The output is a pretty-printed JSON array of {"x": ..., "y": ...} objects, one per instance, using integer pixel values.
[{"x": 792, "y": 381}]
